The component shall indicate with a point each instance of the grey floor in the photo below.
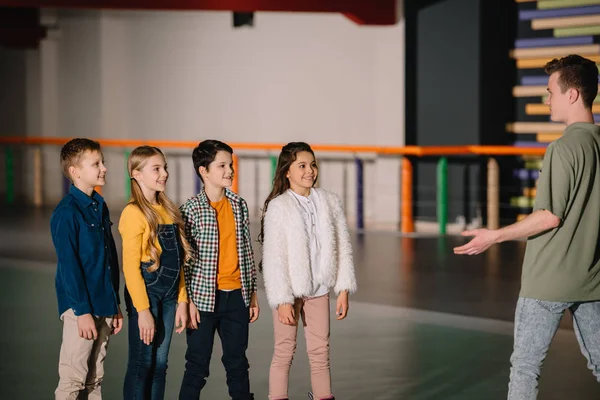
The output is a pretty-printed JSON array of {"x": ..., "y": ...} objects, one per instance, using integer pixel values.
[{"x": 424, "y": 325}]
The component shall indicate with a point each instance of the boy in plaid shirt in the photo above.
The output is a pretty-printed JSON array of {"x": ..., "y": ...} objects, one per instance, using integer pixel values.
[{"x": 221, "y": 278}]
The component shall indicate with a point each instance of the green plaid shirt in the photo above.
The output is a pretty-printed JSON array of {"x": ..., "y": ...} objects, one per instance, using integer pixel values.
[{"x": 202, "y": 231}]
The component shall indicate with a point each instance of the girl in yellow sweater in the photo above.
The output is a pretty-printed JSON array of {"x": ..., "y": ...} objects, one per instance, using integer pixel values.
[{"x": 154, "y": 250}]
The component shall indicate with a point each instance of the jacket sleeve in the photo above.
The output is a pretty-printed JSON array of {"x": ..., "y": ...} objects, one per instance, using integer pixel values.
[
  {"x": 114, "y": 268},
  {"x": 275, "y": 264},
  {"x": 189, "y": 268},
  {"x": 70, "y": 271},
  {"x": 346, "y": 279},
  {"x": 248, "y": 244}
]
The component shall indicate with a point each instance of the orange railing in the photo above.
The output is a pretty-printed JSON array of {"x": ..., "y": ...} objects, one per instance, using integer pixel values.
[{"x": 407, "y": 223}]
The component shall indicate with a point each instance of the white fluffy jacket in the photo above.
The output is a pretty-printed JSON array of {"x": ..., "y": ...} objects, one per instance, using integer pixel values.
[{"x": 285, "y": 251}]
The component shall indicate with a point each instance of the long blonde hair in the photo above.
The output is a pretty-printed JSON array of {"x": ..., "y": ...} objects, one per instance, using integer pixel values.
[{"x": 138, "y": 158}]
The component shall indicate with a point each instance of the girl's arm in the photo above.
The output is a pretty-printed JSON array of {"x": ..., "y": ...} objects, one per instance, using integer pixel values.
[
  {"x": 182, "y": 297},
  {"x": 275, "y": 265},
  {"x": 131, "y": 227},
  {"x": 346, "y": 279}
]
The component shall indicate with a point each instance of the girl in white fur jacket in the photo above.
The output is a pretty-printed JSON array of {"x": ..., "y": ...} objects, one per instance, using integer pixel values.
[{"x": 306, "y": 253}]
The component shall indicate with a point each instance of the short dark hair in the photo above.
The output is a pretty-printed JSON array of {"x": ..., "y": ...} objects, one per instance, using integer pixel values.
[
  {"x": 206, "y": 151},
  {"x": 576, "y": 72},
  {"x": 71, "y": 153}
]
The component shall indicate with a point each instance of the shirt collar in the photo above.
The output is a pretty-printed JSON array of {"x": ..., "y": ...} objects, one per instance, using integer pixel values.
[
  {"x": 83, "y": 198},
  {"x": 303, "y": 198},
  {"x": 203, "y": 198}
]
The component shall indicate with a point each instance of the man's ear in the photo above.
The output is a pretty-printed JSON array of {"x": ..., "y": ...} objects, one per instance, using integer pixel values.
[{"x": 574, "y": 95}]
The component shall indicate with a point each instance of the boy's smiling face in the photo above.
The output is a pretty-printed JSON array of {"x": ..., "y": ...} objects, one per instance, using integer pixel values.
[
  {"x": 219, "y": 174},
  {"x": 89, "y": 172}
]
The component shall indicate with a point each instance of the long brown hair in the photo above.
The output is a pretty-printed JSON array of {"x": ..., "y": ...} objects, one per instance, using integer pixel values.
[
  {"x": 137, "y": 160},
  {"x": 280, "y": 182}
]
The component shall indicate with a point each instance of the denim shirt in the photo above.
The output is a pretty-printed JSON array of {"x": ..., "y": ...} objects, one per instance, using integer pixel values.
[{"x": 87, "y": 273}]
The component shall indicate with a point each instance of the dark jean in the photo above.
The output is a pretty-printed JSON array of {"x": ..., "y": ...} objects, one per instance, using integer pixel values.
[
  {"x": 147, "y": 364},
  {"x": 231, "y": 322}
]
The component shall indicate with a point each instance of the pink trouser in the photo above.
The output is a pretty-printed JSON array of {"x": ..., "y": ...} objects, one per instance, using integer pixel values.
[{"x": 315, "y": 318}]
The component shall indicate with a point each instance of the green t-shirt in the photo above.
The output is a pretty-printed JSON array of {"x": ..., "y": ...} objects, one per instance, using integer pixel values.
[{"x": 563, "y": 264}]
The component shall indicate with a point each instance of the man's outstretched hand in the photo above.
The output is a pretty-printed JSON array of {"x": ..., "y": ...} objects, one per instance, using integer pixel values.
[{"x": 482, "y": 240}]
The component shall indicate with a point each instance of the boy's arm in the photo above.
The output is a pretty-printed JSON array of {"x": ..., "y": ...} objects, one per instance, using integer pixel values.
[
  {"x": 188, "y": 211},
  {"x": 253, "y": 307},
  {"x": 64, "y": 236},
  {"x": 248, "y": 238},
  {"x": 115, "y": 271},
  {"x": 346, "y": 279}
]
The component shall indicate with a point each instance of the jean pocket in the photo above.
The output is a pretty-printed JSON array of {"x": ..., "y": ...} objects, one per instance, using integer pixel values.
[
  {"x": 150, "y": 277},
  {"x": 553, "y": 306}
]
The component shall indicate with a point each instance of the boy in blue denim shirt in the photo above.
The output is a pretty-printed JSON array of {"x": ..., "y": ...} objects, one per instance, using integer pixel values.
[{"x": 87, "y": 273}]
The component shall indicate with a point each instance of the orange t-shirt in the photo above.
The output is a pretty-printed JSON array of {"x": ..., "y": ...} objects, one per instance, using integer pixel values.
[{"x": 228, "y": 272}]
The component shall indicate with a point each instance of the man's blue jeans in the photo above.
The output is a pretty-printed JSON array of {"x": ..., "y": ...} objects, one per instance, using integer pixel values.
[{"x": 536, "y": 323}]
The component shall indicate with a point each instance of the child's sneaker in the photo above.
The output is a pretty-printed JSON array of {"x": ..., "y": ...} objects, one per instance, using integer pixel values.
[{"x": 312, "y": 397}]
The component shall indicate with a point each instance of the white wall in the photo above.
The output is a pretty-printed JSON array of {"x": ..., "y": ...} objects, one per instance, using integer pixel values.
[{"x": 317, "y": 78}]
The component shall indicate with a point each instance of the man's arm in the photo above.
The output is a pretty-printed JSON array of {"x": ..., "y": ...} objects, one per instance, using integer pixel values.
[
  {"x": 535, "y": 223},
  {"x": 554, "y": 189}
]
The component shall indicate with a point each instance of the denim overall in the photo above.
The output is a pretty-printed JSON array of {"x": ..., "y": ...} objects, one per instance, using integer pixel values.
[{"x": 147, "y": 364}]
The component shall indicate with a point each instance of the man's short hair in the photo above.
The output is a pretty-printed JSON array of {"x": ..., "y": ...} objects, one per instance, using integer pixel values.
[{"x": 576, "y": 72}]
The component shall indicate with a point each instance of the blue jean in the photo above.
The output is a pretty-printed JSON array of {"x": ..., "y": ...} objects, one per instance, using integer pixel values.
[
  {"x": 147, "y": 364},
  {"x": 536, "y": 323}
]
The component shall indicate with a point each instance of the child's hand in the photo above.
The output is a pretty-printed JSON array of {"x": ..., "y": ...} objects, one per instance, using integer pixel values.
[
  {"x": 254, "y": 309},
  {"x": 181, "y": 316},
  {"x": 146, "y": 325},
  {"x": 194, "y": 316},
  {"x": 87, "y": 327},
  {"x": 117, "y": 322},
  {"x": 286, "y": 313},
  {"x": 341, "y": 308}
]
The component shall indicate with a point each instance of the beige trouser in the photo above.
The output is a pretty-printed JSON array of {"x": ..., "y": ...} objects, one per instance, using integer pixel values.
[
  {"x": 81, "y": 365},
  {"x": 315, "y": 317}
]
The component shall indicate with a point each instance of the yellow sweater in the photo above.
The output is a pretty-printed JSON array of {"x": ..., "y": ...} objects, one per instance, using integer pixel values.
[{"x": 135, "y": 232}]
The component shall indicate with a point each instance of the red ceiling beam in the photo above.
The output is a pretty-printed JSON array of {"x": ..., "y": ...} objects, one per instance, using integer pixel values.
[{"x": 367, "y": 12}]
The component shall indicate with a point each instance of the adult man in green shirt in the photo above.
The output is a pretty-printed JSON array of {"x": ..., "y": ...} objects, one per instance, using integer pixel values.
[{"x": 561, "y": 269}]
